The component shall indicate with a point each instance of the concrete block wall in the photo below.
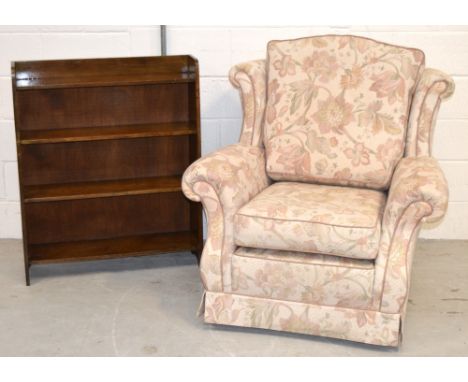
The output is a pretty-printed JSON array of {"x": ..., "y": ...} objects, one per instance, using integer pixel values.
[
  {"x": 52, "y": 42},
  {"x": 218, "y": 48}
]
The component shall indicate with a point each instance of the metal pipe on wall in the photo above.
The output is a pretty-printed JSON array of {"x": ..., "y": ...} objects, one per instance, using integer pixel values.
[{"x": 163, "y": 40}]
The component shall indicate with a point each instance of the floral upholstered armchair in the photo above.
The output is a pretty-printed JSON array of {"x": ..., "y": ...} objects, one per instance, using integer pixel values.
[{"x": 313, "y": 216}]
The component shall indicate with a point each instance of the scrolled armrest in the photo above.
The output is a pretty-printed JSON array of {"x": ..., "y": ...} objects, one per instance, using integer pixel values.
[
  {"x": 418, "y": 179},
  {"x": 223, "y": 181},
  {"x": 236, "y": 173},
  {"x": 250, "y": 78},
  {"x": 437, "y": 81},
  {"x": 418, "y": 191}
]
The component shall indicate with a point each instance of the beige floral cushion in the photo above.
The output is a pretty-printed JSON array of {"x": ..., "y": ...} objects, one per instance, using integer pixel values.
[
  {"x": 340, "y": 221},
  {"x": 337, "y": 109}
]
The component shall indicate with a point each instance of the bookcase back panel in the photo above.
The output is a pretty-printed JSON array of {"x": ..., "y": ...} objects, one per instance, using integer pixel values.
[
  {"x": 101, "y": 218},
  {"x": 105, "y": 160},
  {"x": 102, "y": 106}
]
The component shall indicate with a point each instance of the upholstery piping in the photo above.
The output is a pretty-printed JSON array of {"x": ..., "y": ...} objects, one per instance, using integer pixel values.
[
  {"x": 361, "y": 37},
  {"x": 313, "y": 222},
  {"x": 421, "y": 112},
  {"x": 393, "y": 241},
  {"x": 243, "y": 104},
  {"x": 369, "y": 267},
  {"x": 429, "y": 143},
  {"x": 306, "y": 303},
  {"x": 224, "y": 224}
]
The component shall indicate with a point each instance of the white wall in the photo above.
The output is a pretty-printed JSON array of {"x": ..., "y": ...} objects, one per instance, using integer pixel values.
[
  {"x": 52, "y": 42},
  {"x": 218, "y": 48}
]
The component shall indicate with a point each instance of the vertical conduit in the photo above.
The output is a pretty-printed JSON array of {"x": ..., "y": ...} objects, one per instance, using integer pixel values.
[{"x": 163, "y": 40}]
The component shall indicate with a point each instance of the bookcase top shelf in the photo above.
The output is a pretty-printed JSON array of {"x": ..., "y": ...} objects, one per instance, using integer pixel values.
[{"x": 103, "y": 72}]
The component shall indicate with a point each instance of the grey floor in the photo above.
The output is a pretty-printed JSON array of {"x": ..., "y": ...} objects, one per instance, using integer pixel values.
[{"x": 146, "y": 307}]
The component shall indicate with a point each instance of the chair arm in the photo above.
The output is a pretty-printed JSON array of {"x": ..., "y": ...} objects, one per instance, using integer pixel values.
[
  {"x": 418, "y": 191},
  {"x": 417, "y": 179},
  {"x": 433, "y": 87},
  {"x": 250, "y": 78},
  {"x": 223, "y": 181},
  {"x": 236, "y": 173}
]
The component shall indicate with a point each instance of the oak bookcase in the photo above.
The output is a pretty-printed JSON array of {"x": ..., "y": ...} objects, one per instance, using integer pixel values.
[{"x": 102, "y": 145}]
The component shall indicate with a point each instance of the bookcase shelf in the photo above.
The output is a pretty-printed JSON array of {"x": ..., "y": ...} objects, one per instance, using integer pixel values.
[
  {"x": 100, "y": 189},
  {"x": 84, "y": 134},
  {"x": 111, "y": 248},
  {"x": 102, "y": 145}
]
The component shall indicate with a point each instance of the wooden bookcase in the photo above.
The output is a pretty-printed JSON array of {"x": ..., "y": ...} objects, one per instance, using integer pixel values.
[{"x": 102, "y": 145}]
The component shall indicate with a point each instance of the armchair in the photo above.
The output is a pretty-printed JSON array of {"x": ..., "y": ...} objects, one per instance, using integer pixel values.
[{"x": 313, "y": 216}]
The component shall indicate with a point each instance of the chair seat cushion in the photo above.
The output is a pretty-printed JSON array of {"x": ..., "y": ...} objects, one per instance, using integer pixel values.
[{"x": 290, "y": 216}]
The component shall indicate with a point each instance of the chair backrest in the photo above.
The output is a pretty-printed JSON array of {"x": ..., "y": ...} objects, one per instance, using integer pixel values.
[{"x": 337, "y": 109}]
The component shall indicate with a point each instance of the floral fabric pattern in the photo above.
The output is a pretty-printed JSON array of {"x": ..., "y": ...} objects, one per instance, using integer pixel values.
[
  {"x": 337, "y": 109},
  {"x": 250, "y": 77},
  {"x": 351, "y": 324},
  {"x": 419, "y": 190},
  {"x": 210, "y": 261},
  {"x": 340, "y": 221},
  {"x": 417, "y": 179},
  {"x": 393, "y": 266},
  {"x": 318, "y": 258},
  {"x": 433, "y": 87},
  {"x": 302, "y": 277},
  {"x": 224, "y": 181}
]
